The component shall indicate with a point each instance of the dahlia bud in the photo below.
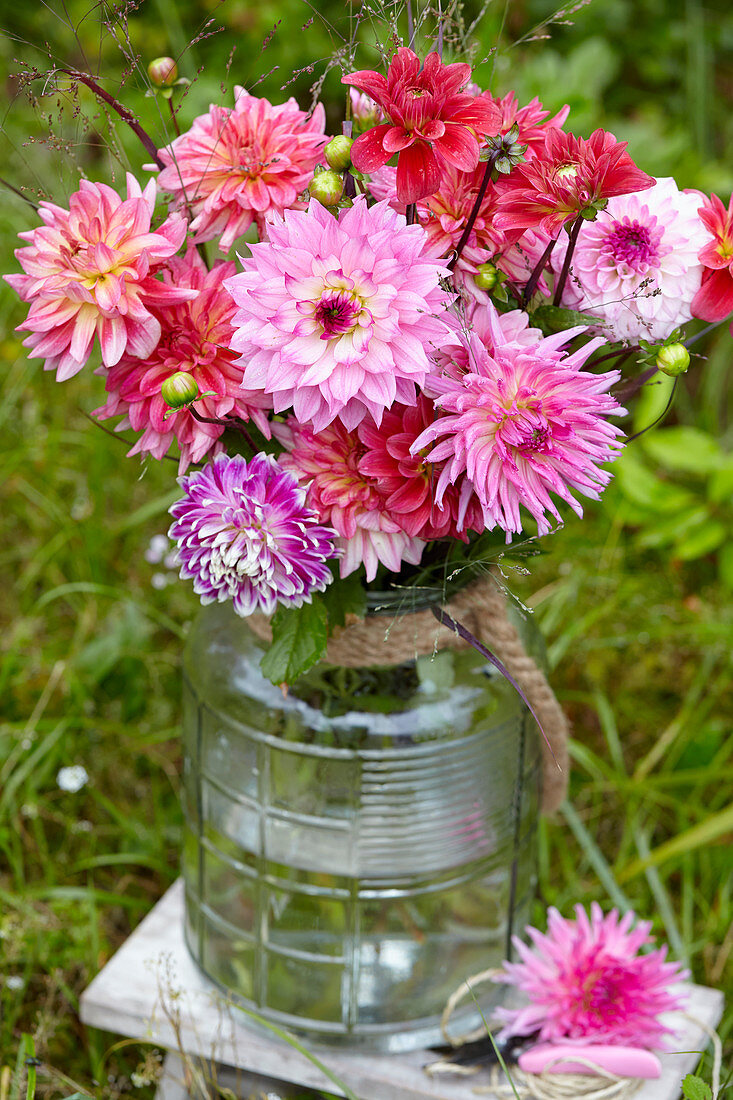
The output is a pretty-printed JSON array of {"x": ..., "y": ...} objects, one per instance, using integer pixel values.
[
  {"x": 327, "y": 187},
  {"x": 486, "y": 277},
  {"x": 673, "y": 359},
  {"x": 163, "y": 72},
  {"x": 338, "y": 152},
  {"x": 179, "y": 390}
]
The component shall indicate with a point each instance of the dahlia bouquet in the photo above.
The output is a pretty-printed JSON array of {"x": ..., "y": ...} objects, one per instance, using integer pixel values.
[{"x": 381, "y": 355}]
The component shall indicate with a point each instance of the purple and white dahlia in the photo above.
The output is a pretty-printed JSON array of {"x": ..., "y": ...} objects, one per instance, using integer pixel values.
[
  {"x": 244, "y": 533},
  {"x": 337, "y": 318}
]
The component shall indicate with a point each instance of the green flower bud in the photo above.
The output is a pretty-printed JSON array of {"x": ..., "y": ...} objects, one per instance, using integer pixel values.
[
  {"x": 179, "y": 390},
  {"x": 327, "y": 187},
  {"x": 163, "y": 72},
  {"x": 338, "y": 152},
  {"x": 486, "y": 277},
  {"x": 673, "y": 359}
]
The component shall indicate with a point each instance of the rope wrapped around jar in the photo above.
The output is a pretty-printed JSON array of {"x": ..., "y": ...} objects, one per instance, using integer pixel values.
[{"x": 482, "y": 609}]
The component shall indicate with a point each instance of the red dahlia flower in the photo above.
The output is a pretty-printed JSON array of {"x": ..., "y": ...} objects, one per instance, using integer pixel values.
[
  {"x": 714, "y": 299},
  {"x": 408, "y": 482},
  {"x": 566, "y": 176},
  {"x": 431, "y": 123}
]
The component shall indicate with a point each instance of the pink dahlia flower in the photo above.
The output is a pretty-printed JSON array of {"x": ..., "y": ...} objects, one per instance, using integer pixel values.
[
  {"x": 586, "y": 981},
  {"x": 337, "y": 318},
  {"x": 195, "y": 338},
  {"x": 346, "y": 498},
  {"x": 431, "y": 123},
  {"x": 566, "y": 175},
  {"x": 714, "y": 299},
  {"x": 408, "y": 482},
  {"x": 89, "y": 272},
  {"x": 522, "y": 422},
  {"x": 636, "y": 267},
  {"x": 242, "y": 165},
  {"x": 244, "y": 533}
]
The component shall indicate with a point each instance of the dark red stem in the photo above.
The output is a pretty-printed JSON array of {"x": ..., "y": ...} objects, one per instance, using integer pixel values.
[
  {"x": 121, "y": 110},
  {"x": 225, "y": 422},
  {"x": 537, "y": 273},
  {"x": 574, "y": 231},
  {"x": 494, "y": 156}
]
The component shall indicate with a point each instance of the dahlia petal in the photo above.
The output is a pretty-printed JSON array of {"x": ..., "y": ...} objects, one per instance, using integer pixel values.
[
  {"x": 714, "y": 299},
  {"x": 368, "y": 152},
  {"x": 418, "y": 174}
]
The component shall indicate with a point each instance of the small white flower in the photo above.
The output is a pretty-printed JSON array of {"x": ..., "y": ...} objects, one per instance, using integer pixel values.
[
  {"x": 158, "y": 547},
  {"x": 14, "y": 982},
  {"x": 72, "y": 778}
]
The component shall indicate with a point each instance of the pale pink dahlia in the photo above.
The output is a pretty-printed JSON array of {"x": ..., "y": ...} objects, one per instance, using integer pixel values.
[
  {"x": 586, "y": 981},
  {"x": 194, "y": 338},
  {"x": 245, "y": 533},
  {"x": 636, "y": 266},
  {"x": 345, "y": 498},
  {"x": 521, "y": 422},
  {"x": 337, "y": 318},
  {"x": 407, "y": 481},
  {"x": 242, "y": 165},
  {"x": 89, "y": 272}
]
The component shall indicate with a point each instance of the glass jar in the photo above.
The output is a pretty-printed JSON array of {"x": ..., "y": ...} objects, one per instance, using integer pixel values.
[{"x": 360, "y": 845}]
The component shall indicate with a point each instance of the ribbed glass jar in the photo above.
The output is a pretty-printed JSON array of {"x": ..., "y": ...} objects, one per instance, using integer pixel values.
[{"x": 359, "y": 846}]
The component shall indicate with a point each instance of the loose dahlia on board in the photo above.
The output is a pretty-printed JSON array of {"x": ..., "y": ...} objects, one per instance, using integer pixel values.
[{"x": 587, "y": 981}]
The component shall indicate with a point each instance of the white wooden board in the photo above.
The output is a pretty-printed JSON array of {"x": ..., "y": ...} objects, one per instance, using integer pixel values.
[{"x": 152, "y": 990}]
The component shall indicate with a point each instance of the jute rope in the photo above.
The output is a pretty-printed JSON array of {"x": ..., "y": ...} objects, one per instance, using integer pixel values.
[
  {"x": 600, "y": 1085},
  {"x": 482, "y": 609}
]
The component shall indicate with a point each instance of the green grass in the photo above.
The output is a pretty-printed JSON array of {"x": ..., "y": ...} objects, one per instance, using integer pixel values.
[{"x": 640, "y": 644}]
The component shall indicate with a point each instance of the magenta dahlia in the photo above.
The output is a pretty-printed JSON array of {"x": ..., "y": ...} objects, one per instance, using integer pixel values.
[
  {"x": 89, "y": 272},
  {"x": 195, "y": 337},
  {"x": 337, "y": 318},
  {"x": 244, "y": 533},
  {"x": 242, "y": 165},
  {"x": 522, "y": 421},
  {"x": 587, "y": 981},
  {"x": 346, "y": 498}
]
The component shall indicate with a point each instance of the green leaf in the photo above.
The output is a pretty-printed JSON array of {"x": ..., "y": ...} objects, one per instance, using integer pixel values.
[
  {"x": 344, "y": 596},
  {"x": 720, "y": 486},
  {"x": 652, "y": 401},
  {"x": 694, "y": 1088},
  {"x": 683, "y": 448},
  {"x": 703, "y": 540},
  {"x": 299, "y": 637},
  {"x": 556, "y": 319},
  {"x": 639, "y": 485}
]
